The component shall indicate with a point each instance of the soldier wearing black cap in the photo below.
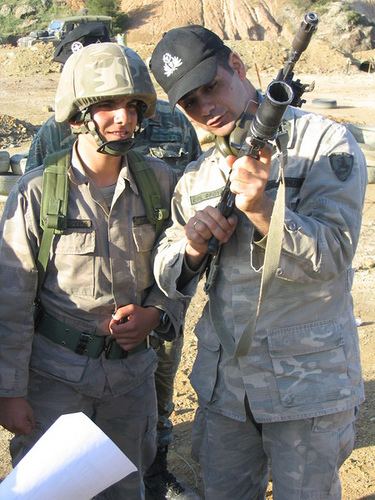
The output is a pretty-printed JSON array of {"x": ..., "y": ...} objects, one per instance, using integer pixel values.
[{"x": 290, "y": 398}]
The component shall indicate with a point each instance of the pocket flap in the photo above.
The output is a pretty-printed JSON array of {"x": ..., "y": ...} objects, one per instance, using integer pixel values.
[
  {"x": 75, "y": 243},
  {"x": 304, "y": 339}
]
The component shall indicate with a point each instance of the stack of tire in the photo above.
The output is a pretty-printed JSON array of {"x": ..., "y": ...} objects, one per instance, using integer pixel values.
[
  {"x": 365, "y": 136},
  {"x": 11, "y": 168}
]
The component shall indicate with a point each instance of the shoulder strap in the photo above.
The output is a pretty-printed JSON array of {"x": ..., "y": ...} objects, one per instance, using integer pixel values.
[
  {"x": 149, "y": 189},
  {"x": 53, "y": 206}
]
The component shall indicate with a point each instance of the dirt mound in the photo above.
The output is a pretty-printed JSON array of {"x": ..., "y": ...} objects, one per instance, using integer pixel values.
[
  {"x": 266, "y": 58},
  {"x": 35, "y": 60},
  {"x": 14, "y": 132},
  {"x": 230, "y": 19}
]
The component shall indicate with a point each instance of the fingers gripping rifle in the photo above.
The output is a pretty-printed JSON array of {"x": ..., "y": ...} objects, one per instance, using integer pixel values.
[{"x": 251, "y": 134}]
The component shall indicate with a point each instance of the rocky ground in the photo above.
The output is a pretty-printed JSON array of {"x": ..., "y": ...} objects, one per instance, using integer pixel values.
[{"x": 26, "y": 98}]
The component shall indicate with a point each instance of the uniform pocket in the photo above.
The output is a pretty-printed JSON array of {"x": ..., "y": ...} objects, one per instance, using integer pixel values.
[
  {"x": 309, "y": 363},
  {"x": 144, "y": 235},
  {"x": 204, "y": 373},
  {"x": 74, "y": 261}
]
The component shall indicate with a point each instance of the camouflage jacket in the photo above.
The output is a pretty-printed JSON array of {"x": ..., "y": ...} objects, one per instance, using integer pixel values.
[
  {"x": 102, "y": 261},
  {"x": 168, "y": 135},
  {"x": 304, "y": 358}
]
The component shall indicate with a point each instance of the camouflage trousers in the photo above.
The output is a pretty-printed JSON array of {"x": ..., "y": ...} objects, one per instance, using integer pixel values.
[
  {"x": 304, "y": 455},
  {"x": 169, "y": 356},
  {"x": 129, "y": 420}
]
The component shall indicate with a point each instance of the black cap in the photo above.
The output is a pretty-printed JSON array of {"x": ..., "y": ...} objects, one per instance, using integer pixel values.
[
  {"x": 84, "y": 34},
  {"x": 184, "y": 59}
]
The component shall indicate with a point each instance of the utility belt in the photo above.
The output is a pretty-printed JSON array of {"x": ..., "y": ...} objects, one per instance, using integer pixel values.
[{"x": 87, "y": 344}]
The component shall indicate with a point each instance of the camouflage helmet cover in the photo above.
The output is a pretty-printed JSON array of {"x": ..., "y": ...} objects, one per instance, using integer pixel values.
[{"x": 101, "y": 71}]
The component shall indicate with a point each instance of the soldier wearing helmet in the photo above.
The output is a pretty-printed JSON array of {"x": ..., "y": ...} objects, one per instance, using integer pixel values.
[
  {"x": 89, "y": 349},
  {"x": 168, "y": 135},
  {"x": 105, "y": 71}
]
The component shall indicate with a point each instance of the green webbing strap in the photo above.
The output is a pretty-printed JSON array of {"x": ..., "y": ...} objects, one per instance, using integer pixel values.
[
  {"x": 149, "y": 189},
  {"x": 54, "y": 205},
  {"x": 270, "y": 266}
]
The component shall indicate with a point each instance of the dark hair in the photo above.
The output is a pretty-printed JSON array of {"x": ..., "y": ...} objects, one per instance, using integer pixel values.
[{"x": 223, "y": 59}]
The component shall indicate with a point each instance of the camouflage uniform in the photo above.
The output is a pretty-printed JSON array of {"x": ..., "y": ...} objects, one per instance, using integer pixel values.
[
  {"x": 171, "y": 137},
  {"x": 100, "y": 262},
  {"x": 301, "y": 380}
]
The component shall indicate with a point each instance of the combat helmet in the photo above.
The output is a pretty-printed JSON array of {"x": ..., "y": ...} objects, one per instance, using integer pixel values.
[{"x": 99, "y": 72}]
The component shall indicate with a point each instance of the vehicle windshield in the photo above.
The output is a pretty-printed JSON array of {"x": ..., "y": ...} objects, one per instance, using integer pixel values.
[{"x": 54, "y": 25}]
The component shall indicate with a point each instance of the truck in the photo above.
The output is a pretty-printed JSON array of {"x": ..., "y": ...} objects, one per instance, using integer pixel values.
[{"x": 59, "y": 28}]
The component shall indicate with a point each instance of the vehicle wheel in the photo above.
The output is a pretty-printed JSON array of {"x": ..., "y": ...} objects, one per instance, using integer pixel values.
[
  {"x": 324, "y": 103},
  {"x": 7, "y": 181},
  {"x": 4, "y": 162}
]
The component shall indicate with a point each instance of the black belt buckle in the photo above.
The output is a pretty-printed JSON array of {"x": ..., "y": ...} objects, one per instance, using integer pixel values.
[
  {"x": 110, "y": 343},
  {"x": 83, "y": 341}
]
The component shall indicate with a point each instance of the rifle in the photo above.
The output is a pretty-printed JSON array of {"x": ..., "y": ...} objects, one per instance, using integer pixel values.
[{"x": 252, "y": 133}]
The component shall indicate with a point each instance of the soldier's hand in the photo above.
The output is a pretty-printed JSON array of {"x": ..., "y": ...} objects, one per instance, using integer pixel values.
[
  {"x": 131, "y": 324},
  {"x": 16, "y": 415},
  {"x": 199, "y": 230},
  {"x": 248, "y": 180}
]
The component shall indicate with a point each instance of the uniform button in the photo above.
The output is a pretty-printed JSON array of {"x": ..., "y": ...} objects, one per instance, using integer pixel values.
[
  {"x": 292, "y": 226},
  {"x": 288, "y": 399},
  {"x": 279, "y": 272}
]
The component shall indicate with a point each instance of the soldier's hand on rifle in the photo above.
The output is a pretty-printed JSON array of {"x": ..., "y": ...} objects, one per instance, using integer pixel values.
[
  {"x": 249, "y": 177},
  {"x": 16, "y": 415},
  {"x": 199, "y": 230}
]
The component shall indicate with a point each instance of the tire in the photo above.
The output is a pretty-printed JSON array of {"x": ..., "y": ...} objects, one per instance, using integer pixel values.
[
  {"x": 362, "y": 134},
  {"x": 4, "y": 162},
  {"x": 18, "y": 163},
  {"x": 3, "y": 200},
  {"x": 369, "y": 153},
  {"x": 371, "y": 175},
  {"x": 324, "y": 103},
  {"x": 7, "y": 181}
]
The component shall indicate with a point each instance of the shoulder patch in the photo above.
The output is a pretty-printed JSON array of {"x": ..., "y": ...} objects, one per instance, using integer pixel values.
[{"x": 341, "y": 164}]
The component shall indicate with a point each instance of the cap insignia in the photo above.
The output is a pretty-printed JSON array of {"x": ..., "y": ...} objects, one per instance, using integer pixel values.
[{"x": 171, "y": 63}]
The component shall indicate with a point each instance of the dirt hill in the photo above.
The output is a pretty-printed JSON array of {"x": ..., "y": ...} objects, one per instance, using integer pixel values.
[{"x": 346, "y": 25}]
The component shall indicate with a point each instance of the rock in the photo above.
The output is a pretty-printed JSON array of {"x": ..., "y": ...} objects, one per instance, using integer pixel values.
[
  {"x": 46, "y": 3},
  {"x": 23, "y": 11},
  {"x": 5, "y": 10}
]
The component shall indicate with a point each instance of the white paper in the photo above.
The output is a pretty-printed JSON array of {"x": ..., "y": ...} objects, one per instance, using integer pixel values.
[{"x": 73, "y": 460}]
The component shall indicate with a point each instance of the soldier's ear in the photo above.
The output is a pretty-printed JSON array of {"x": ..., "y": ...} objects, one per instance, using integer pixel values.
[{"x": 236, "y": 63}]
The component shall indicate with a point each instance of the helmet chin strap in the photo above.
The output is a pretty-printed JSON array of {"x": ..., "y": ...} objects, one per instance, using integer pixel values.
[{"x": 113, "y": 148}]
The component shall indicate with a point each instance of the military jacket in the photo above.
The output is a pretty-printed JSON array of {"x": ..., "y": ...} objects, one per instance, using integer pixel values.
[
  {"x": 168, "y": 135},
  {"x": 101, "y": 262},
  {"x": 304, "y": 356}
]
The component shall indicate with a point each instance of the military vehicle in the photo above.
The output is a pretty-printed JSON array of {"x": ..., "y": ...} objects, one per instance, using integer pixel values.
[{"x": 59, "y": 28}]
